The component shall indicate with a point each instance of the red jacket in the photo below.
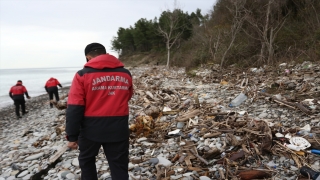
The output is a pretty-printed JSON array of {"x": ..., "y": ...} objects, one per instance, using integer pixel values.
[
  {"x": 98, "y": 101},
  {"x": 17, "y": 91},
  {"x": 51, "y": 84}
]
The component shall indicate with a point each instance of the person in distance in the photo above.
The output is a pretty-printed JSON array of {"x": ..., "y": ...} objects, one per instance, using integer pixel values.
[
  {"x": 17, "y": 93},
  {"x": 52, "y": 89}
]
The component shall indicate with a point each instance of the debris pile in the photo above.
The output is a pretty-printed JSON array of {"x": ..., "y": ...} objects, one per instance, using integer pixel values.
[{"x": 263, "y": 123}]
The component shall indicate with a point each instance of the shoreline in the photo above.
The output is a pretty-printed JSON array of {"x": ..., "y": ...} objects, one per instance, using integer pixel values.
[
  {"x": 8, "y": 111},
  {"x": 6, "y": 101}
]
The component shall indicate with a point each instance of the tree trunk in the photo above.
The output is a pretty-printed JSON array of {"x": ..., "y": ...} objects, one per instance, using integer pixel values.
[
  {"x": 235, "y": 28},
  {"x": 226, "y": 51},
  {"x": 270, "y": 49},
  {"x": 261, "y": 57},
  {"x": 216, "y": 47},
  {"x": 210, "y": 48},
  {"x": 168, "y": 54},
  {"x": 265, "y": 33}
]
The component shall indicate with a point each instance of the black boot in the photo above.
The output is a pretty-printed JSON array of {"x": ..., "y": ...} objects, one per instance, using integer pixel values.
[{"x": 26, "y": 112}]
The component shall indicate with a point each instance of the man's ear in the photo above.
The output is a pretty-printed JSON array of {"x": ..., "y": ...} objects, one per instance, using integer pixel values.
[{"x": 88, "y": 57}]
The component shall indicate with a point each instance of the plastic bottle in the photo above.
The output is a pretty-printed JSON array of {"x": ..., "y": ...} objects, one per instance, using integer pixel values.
[
  {"x": 293, "y": 147},
  {"x": 238, "y": 100},
  {"x": 307, "y": 133},
  {"x": 311, "y": 135},
  {"x": 303, "y": 133},
  {"x": 314, "y": 151},
  {"x": 181, "y": 159},
  {"x": 193, "y": 131},
  {"x": 308, "y": 172}
]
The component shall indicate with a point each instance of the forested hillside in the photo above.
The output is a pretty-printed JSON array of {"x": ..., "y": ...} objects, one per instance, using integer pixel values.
[{"x": 241, "y": 32}]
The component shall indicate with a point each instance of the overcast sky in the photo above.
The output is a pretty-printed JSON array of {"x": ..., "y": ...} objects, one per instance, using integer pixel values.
[{"x": 54, "y": 33}]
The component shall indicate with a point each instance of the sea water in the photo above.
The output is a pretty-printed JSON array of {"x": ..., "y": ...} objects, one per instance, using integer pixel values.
[{"x": 34, "y": 79}]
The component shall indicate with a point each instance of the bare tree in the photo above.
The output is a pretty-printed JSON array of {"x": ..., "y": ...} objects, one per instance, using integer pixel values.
[
  {"x": 212, "y": 37},
  {"x": 209, "y": 36},
  {"x": 214, "y": 46},
  {"x": 268, "y": 30},
  {"x": 238, "y": 12},
  {"x": 171, "y": 28}
]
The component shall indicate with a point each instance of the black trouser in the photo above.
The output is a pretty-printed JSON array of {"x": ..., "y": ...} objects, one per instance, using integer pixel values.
[
  {"x": 117, "y": 154},
  {"x": 56, "y": 95},
  {"x": 18, "y": 103}
]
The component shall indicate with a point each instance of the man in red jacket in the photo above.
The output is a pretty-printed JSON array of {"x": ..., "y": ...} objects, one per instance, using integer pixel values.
[
  {"x": 98, "y": 112},
  {"x": 51, "y": 88},
  {"x": 17, "y": 95}
]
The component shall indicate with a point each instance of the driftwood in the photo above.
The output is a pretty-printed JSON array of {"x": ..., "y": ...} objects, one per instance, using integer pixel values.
[
  {"x": 289, "y": 104},
  {"x": 211, "y": 153},
  {"x": 199, "y": 157},
  {"x": 163, "y": 172},
  {"x": 232, "y": 139},
  {"x": 59, "y": 105},
  {"x": 253, "y": 174},
  {"x": 221, "y": 173},
  {"x": 153, "y": 111},
  {"x": 186, "y": 116},
  {"x": 58, "y": 154},
  {"x": 217, "y": 113},
  {"x": 211, "y": 135},
  {"x": 60, "y": 129},
  {"x": 315, "y": 142}
]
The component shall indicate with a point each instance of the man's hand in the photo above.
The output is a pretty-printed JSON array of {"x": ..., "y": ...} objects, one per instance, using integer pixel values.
[
  {"x": 73, "y": 145},
  {"x": 28, "y": 97}
]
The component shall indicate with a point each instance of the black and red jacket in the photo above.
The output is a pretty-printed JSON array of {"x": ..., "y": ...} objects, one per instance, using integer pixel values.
[
  {"x": 16, "y": 92},
  {"x": 51, "y": 85},
  {"x": 98, "y": 101}
]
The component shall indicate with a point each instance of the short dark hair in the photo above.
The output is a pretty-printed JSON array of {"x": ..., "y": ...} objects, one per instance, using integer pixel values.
[{"x": 97, "y": 52}]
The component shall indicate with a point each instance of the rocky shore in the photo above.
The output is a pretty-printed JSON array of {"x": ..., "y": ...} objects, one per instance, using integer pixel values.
[
  {"x": 186, "y": 126},
  {"x": 19, "y": 152}
]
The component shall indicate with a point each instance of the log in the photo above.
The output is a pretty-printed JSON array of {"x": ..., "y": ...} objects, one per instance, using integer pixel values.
[
  {"x": 210, "y": 135},
  {"x": 211, "y": 153},
  {"x": 289, "y": 104},
  {"x": 217, "y": 113},
  {"x": 189, "y": 115},
  {"x": 58, "y": 154},
  {"x": 253, "y": 174}
]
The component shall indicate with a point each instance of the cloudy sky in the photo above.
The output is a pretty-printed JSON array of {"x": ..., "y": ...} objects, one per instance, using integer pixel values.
[{"x": 54, "y": 33}]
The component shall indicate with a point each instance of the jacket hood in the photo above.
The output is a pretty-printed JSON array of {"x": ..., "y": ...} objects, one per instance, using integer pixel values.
[{"x": 104, "y": 61}]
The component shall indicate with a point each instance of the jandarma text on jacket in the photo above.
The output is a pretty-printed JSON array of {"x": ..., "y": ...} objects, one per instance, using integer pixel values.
[{"x": 109, "y": 78}]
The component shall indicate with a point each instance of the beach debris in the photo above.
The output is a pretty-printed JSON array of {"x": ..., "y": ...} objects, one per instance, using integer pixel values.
[
  {"x": 143, "y": 125},
  {"x": 183, "y": 127},
  {"x": 62, "y": 103}
]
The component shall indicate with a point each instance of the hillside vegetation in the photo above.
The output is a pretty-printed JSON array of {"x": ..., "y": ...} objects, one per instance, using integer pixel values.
[{"x": 243, "y": 33}]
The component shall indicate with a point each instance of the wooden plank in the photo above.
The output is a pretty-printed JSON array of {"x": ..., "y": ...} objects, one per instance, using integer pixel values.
[{"x": 58, "y": 154}]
